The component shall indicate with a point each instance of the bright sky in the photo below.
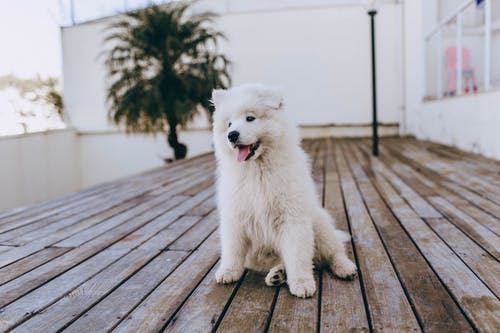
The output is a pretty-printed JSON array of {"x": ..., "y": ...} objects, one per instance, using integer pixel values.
[
  {"x": 29, "y": 35},
  {"x": 30, "y": 45}
]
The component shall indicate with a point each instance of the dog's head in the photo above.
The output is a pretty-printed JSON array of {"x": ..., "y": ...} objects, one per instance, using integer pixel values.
[{"x": 248, "y": 121}]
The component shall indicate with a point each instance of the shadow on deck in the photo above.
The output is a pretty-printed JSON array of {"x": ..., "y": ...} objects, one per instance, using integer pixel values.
[{"x": 139, "y": 254}]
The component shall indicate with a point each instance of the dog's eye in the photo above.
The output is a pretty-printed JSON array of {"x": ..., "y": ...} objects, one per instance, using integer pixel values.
[
  {"x": 229, "y": 125},
  {"x": 250, "y": 118}
]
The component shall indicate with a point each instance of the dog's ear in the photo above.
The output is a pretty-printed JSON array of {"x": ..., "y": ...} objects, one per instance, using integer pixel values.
[
  {"x": 217, "y": 96},
  {"x": 272, "y": 97}
]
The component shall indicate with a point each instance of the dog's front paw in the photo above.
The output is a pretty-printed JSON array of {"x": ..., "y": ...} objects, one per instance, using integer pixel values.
[
  {"x": 302, "y": 287},
  {"x": 227, "y": 275},
  {"x": 344, "y": 268}
]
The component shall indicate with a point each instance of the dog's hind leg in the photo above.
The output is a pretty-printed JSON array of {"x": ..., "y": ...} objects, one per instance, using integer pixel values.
[
  {"x": 330, "y": 248},
  {"x": 276, "y": 275}
]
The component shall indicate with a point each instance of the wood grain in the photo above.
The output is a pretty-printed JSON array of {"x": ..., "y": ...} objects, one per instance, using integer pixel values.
[{"x": 139, "y": 254}]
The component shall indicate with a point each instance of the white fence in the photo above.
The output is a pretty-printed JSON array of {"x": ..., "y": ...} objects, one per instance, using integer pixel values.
[
  {"x": 460, "y": 49},
  {"x": 37, "y": 167}
]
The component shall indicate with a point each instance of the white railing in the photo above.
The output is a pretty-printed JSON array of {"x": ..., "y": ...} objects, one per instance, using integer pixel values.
[{"x": 436, "y": 35}]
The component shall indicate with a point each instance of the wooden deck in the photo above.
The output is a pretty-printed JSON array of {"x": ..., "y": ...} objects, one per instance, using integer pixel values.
[{"x": 139, "y": 254}]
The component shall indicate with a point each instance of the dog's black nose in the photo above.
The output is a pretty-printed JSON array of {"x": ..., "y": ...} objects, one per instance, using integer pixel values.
[{"x": 233, "y": 136}]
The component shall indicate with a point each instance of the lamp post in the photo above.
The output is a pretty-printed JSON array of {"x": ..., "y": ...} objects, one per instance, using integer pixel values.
[{"x": 371, "y": 7}]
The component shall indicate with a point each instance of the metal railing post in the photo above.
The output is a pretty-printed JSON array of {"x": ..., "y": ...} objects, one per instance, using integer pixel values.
[
  {"x": 487, "y": 43},
  {"x": 459, "y": 54},
  {"x": 72, "y": 11},
  {"x": 439, "y": 56}
]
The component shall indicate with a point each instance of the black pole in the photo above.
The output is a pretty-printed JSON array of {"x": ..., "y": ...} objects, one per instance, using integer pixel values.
[{"x": 372, "y": 14}]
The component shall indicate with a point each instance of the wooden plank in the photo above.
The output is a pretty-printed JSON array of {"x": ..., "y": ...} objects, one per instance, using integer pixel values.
[
  {"x": 201, "y": 186},
  {"x": 317, "y": 164},
  {"x": 479, "y": 201},
  {"x": 202, "y": 309},
  {"x": 57, "y": 222},
  {"x": 4, "y": 248},
  {"x": 474, "y": 205},
  {"x": 62, "y": 212},
  {"x": 50, "y": 225},
  {"x": 100, "y": 260},
  {"x": 342, "y": 304},
  {"x": 132, "y": 229},
  {"x": 486, "y": 205},
  {"x": 389, "y": 308},
  {"x": 174, "y": 167},
  {"x": 483, "y": 236},
  {"x": 158, "y": 307},
  {"x": 488, "y": 179},
  {"x": 78, "y": 300},
  {"x": 11, "y": 212},
  {"x": 488, "y": 165},
  {"x": 477, "y": 214},
  {"x": 29, "y": 263},
  {"x": 206, "y": 172},
  {"x": 435, "y": 309},
  {"x": 108, "y": 312},
  {"x": 163, "y": 197},
  {"x": 452, "y": 172},
  {"x": 475, "y": 230},
  {"x": 66, "y": 231},
  {"x": 251, "y": 307},
  {"x": 293, "y": 314},
  {"x": 23, "y": 251},
  {"x": 205, "y": 208},
  {"x": 481, "y": 262},
  {"x": 115, "y": 306},
  {"x": 488, "y": 172},
  {"x": 50, "y": 292},
  {"x": 54, "y": 205},
  {"x": 188, "y": 240},
  {"x": 412, "y": 178},
  {"x": 460, "y": 161},
  {"x": 419, "y": 205},
  {"x": 476, "y": 300}
]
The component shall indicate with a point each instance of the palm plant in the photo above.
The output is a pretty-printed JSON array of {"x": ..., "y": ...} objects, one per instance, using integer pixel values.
[{"x": 163, "y": 67}]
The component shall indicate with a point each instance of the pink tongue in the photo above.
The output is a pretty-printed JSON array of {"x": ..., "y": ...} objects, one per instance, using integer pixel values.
[{"x": 243, "y": 152}]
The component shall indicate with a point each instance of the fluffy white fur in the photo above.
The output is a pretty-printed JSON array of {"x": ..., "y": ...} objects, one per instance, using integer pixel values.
[{"x": 271, "y": 218}]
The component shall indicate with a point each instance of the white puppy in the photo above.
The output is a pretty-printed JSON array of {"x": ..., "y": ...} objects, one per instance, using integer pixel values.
[{"x": 271, "y": 218}]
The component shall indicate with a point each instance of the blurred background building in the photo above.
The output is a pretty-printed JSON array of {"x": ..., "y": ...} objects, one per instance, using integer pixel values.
[{"x": 438, "y": 66}]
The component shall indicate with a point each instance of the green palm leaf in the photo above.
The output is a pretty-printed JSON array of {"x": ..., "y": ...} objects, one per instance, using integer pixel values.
[{"x": 162, "y": 68}]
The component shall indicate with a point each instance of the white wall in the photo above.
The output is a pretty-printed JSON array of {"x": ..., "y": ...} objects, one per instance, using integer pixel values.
[
  {"x": 319, "y": 54},
  {"x": 111, "y": 155},
  {"x": 37, "y": 167},
  {"x": 468, "y": 122}
]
